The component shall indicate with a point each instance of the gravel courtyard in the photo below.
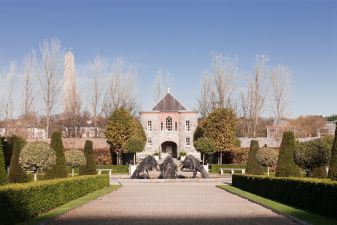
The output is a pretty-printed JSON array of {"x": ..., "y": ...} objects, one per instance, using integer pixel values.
[{"x": 170, "y": 203}]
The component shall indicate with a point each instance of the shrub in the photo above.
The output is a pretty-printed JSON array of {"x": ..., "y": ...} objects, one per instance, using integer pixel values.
[
  {"x": 20, "y": 202},
  {"x": 37, "y": 157},
  {"x": 252, "y": 166},
  {"x": 16, "y": 173},
  {"x": 267, "y": 157},
  {"x": 333, "y": 161},
  {"x": 90, "y": 166},
  {"x": 205, "y": 146},
  {"x": 134, "y": 145},
  {"x": 8, "y": 146},
  {"x": 59, "y": 170},
  {"x": 312, "y": 154},
  {"x": 316, "y": 195},
  {"x": 75, "y": 158},
  {"x": 286, "y": 166},
  {"x": 103, "y": 156},
  {"x": 3, "y": 175}
]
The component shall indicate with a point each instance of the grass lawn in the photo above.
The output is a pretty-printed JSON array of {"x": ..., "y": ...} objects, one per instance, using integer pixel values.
[
  {"x": 70, "y": 205},
  {"x": 300, "y": 214}
]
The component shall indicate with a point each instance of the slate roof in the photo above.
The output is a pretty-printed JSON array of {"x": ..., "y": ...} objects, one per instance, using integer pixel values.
[{"x": 168, "y": 103}]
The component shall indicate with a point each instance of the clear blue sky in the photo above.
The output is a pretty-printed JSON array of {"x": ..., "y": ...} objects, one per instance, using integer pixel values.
[{"x": 178, "y": 36}]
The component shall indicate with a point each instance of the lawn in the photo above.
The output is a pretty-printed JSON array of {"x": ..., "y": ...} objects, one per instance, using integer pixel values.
[{"x": 280, "y": 208}]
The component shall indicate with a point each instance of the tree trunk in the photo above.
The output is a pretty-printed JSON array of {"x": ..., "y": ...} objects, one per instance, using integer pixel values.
[
  {"x": 268, "y": 170},
  {"x": 221, "y": 157},
  {"x": 35, "y": 176},
  {"x": 72, "y": 172},
  {"x": 47, "y": 126},
  {"x": 134, "y": 159},
  {"x": 203, "y": 159}
]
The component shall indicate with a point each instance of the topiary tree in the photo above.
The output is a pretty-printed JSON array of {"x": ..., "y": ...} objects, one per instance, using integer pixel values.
[
  {"x": 286, "y": 166},
  {"x": 252, "y": 165},
  {"x": 204, "y": 146},
  {"x": 75, "y": 158},
  {"x": 267, "y": 157},
  {"x": 16, "y": 173},
  {"x": 333, "y": 162},
  {"x": 121, "y": 127},
  {"x": 313, "y": 155},
  {"x": 3, "y": 175},
  {"x": 59, "y": 170},
  {"x": 220, "y": 127},
  {"x": 90, "y": 166},
  {"x": 133, "y": 145},
  {"x": 37, "y": 157}
]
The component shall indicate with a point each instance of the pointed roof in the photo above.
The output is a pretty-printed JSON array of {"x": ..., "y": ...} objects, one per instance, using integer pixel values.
[{"x": 168, "y": 103}]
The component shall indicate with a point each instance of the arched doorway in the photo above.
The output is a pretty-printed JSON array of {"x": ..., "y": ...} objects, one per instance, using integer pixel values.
[{"x": 169, "y": 147}]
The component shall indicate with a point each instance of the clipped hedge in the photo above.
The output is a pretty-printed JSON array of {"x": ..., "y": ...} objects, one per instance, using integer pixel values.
[
  {"x": 115, "y": 168},
  {"x": 316, "y": 195},
  {"x": 215, "y": 168},
  {"x": 19, "y": 202}
]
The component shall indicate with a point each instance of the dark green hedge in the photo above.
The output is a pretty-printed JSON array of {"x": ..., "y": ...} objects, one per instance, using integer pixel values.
[
  {"x": 19, "y": 202},
  {"x": 115, "y": 168},
  {"x": 316, "y": 195},
  {"x": 215, "y": 168}
]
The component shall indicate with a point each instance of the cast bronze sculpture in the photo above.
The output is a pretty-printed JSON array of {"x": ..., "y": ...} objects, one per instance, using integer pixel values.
[
  {"x": 142, "y": 171},
  {"x": 191, "y": 164},
  {"x": 168, "y": 169}
]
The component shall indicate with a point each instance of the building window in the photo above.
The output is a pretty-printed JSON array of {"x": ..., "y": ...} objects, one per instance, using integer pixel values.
[
  {"x": 169, "y": 124},
  {"x": 175, "y": 126},
  {"x": 149, "y": 125},
  {"x": 188, "y": 141},
  {"x": 149, "y": 141},
  {"x": 188, "y": 125},
  {"x": 161, "y": 126}
]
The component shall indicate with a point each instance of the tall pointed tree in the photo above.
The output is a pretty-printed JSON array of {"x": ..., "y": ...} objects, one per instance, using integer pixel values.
[
  {"x": 3, "y": 176},
  {"x": 333, "y": 161},
  {"x": 253, "y": 167},
  {"x": 90, "y": 166},
  {"x": 16, "y": 173},
  {"x": 59, "y": 170}
]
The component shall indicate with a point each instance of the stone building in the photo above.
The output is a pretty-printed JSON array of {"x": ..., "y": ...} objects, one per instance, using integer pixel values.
[{"x": 169, "y": 128}]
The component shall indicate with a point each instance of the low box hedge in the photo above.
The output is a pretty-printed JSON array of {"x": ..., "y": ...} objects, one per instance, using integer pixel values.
[
  {"x": 215, "y": 168},
  {"x": 315, "y": 195},
  {"x": 115, "y": 168},
  {"x": 19, "y": 202}
]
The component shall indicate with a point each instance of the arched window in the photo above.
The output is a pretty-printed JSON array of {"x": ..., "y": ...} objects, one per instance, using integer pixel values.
[{"x": 169, "y": 124}]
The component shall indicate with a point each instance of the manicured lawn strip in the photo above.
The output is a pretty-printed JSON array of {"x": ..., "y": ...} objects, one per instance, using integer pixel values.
[
  {"x": 280, "y": 208},
  {"x": 70, "y": 205}
]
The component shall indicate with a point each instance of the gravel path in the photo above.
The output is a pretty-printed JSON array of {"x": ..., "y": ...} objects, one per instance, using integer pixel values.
[{"x": 170, "y": 203}]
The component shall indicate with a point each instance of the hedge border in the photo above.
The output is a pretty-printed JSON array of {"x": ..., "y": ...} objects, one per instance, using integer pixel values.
[
  {"x": 315, "y": 195},
  {"x": 19, "y": 202}
]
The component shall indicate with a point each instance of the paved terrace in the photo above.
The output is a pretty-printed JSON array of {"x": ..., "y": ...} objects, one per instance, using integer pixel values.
[{"x": 170, "y": 203}]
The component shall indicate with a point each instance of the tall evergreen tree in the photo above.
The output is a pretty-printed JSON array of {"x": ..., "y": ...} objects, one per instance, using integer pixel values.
[
  {"x": 286, "y": 166},
  {"x": 90, "y": 166},
  {"x": 59, "y": 170},
  {"x": 3, "y": 175},
  {"x": 253, "y": 167},
  {"x": 333, "y": 161},
  {"x": 16, "y": 173}
]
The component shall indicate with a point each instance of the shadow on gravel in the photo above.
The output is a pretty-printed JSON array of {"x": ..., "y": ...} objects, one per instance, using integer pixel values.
[{"x": 175, "y": 221}]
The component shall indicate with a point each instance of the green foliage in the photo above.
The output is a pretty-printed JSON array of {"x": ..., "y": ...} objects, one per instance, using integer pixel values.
[
  {"x": 312, "y": 154},
  {"x": 75, "y": 158},
  {"x": 59, "y": 170},
  {"x": 215, "y": 168},
  {"x": 316, "y": 195},
  {"x": 19, "y": 202},
  {"x": 328, "y": 140},
  {"x": 220, "y": 127},
  {"x": 16, "y": 173},
  {"x": 267, "y": 157},
  {"x": 204, "y": 145},
  {"x": 286, "y": 166},
  {"x": 90, "y": 167},
  {"x": 135, "y": 144},
  {"x": 319, "y": 172},
  {"x": 37, "y": 157},
  {"x": 331, "y": 118},
  {"x": 156, "y": 154},
  {"x": 182, "y": 153},
  {"x": 333, "y": 162},
  {"x": 3, "y": 175},
  {"x": 8, "y": 146},
  {"x": 253, "y": 167}
]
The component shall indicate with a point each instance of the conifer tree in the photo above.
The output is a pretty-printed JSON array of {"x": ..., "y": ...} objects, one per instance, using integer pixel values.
[
  {"x": 90, "y": 166},
  {"x": 3, "y": 176},
  {"x": 59, "y": 170},
  {"x": 253, "y": 167},
  {"x": 286, "y": 166},
  {"x": 16, "y": 173},
  {"x": 333, "y": 161}
]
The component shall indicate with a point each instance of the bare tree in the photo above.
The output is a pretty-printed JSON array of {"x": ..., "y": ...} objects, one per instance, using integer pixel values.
[
  {"x": 280, "y": 83},
  {"x": 97, "y": 72},
  {"x": 29, "y": 69},
  {"x": 204, "y": 101},
  {"x": 256, "y": 90},
  {"x": 158, "y": 87},
  {"x": 121, "y": 90},
  {"x": 50, "y": 75}
]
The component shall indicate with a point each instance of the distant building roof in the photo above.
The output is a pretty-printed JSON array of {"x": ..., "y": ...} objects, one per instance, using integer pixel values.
[{"x": 168, "y": 103}]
